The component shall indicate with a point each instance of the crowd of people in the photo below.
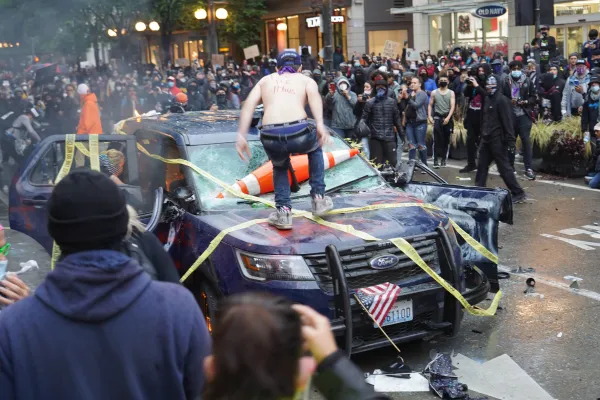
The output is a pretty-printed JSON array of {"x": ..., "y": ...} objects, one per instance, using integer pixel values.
[{"x": 111, "y": 319}]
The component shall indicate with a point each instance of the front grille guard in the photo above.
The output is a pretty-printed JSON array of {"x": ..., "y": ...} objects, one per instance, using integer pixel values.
[{"x": 341, "y": 293}]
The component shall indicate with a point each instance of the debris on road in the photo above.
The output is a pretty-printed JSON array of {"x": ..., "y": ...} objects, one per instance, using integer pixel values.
[
  {"x": 559, "y": 335},
  {"x": 530, "y": 282},
  {"x": 476, "y": 331},
  {"x": 26, "y": 266},
  {"x": 521, "y": 270},
  {"x": 572, "y": 278},
  {"x": 443, "y": 381},
  {"x": 574, "y": 285},
  {"x": 463, "y": 179}
]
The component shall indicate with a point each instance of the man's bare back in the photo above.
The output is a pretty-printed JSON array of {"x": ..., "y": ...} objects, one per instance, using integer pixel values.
[{"x": 284, "y": 97}]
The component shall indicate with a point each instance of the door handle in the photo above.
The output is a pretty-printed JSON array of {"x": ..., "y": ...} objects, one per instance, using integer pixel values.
[
  {"x": 480, "y": 210},
  {"x": 37, "y": 201}
]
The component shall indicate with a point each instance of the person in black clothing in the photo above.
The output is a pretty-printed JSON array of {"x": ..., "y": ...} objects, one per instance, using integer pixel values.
[
  {"x": 520, "y": 91},
  {"x": 546, "y": 45},
  {"x": 309, "y": 63},
  {"x": 474, "y": 94},
  {"x": 259, "y": 343},
  {"x": 497, "y": 138},
  {"x": 381, "y": 115},
  {"x": 196, "y": 101},
  {"x": 550, "y": 94},
  {"x": 590, "y": 114}
]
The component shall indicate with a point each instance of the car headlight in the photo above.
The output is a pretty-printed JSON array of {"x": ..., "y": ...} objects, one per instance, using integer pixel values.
[{"x": 261, "y": 267}]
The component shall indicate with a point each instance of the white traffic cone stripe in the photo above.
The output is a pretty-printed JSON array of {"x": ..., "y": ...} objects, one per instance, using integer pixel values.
[{"x": 252, "y": 184}]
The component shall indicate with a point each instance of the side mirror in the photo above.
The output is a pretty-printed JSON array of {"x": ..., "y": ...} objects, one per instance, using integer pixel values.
[{"x": 156, "y": 210}]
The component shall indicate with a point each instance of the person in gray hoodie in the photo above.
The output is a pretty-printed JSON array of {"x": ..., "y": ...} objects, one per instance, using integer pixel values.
[
  {"x": 341, "y": 102},
  {"x": 575, "y": 90}
]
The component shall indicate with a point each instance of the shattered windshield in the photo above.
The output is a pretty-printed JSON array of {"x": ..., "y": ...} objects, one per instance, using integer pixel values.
[{"x": 222, "y": 161}]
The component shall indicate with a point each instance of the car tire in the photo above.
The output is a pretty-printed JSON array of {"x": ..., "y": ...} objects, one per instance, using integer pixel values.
[{"x": 208, "y": 302}]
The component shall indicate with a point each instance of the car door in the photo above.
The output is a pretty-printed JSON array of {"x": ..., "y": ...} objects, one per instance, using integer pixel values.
[
  {"x": 33, "y": 183},
  {"x": 477, "y": 210}
]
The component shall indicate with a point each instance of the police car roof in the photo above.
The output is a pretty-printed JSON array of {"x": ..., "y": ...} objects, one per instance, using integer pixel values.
[{"x": 194, "y": 127}]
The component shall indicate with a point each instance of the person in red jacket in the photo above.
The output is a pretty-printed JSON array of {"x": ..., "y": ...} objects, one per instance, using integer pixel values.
[
  {"x": 173, "y": 89},
  {"x": 89, "y": 121}
]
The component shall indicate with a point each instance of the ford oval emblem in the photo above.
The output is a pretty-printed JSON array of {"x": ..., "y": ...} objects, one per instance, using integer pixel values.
[{"x": 384, "y": 262}]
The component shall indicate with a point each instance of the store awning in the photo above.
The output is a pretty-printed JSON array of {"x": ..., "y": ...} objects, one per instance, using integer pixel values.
[{"x": 445, "y": 7}]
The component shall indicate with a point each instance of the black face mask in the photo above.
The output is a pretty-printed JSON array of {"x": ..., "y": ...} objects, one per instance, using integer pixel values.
[
  {"x": 482, "y": 76},
  {"x": 201, "y": 81},
  {"x": 193, "y": 89},
  {"x": 424, "y": 77},
  {"x": 443, "y": 84}
]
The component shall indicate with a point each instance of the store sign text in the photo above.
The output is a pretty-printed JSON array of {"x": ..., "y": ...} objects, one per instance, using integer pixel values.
[
  {"x": 489, "y": 11},
  {"x": 315, "y": 22}
]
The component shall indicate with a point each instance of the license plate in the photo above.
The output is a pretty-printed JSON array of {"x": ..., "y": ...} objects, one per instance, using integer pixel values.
[{"x": 401, "y": 312}]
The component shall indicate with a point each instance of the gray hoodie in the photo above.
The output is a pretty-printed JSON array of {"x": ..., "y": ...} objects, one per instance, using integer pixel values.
[{"x": 342, "y": 108}]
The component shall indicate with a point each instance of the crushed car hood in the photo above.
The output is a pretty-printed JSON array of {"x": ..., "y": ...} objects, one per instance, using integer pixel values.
[{"x": 308, "y": 237}]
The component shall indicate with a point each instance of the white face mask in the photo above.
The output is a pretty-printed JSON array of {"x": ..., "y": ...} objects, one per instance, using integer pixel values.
[
  {"x": 343, "y": 86},
  {"x": 396, "y": 72}
]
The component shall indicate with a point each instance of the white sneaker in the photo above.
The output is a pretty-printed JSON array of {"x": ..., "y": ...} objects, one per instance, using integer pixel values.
[
  {"x": 321, "y": 205},
  {"x": 281, "y": 219}
]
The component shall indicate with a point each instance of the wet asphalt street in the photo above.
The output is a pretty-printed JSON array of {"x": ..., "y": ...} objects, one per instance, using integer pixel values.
[{"x": 548, "y": 237}]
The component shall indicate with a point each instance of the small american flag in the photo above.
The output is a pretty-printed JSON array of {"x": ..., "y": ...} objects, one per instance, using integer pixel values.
[{"x": 379, "y": 299}]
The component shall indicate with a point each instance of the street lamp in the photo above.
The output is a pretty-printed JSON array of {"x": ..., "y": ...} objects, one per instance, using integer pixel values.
[
  {"x": 140, "y": 26},
  {"x": 111, "y": 32},
  {"x": 212, "y": 15},
  {"x": 282, "y": 26},
  {"x": 201, "y": 14},
  {"x": 154, "y": 26},
  {"x": 221, "y": 13}
]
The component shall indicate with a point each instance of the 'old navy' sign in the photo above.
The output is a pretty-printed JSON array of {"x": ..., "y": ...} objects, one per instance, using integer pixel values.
[{"x": 489, "y": 11}]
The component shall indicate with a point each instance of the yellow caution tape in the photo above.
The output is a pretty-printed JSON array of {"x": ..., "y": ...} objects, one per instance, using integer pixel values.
[
  {"x": 216, "y": 241},
  {"x": 94, "y": 153},
  {"x": 400, "y": 243},
  {"x": 64, "y": 170},
  {"x": 82, "y": 149},
  {"x": 410, "y": 251}
]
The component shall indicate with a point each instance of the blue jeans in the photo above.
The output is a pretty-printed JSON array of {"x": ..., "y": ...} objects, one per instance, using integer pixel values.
[
  {"x": 344, "y": 133},
  {"x": 280, "y": 147},
  {"x": 595, "y": 182},
  {"x": 416, "y": 133},
  {"x": 365, "y": 147}
]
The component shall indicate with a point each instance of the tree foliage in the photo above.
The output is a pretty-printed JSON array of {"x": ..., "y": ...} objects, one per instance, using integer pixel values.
[{"x": 244, "y": 25}]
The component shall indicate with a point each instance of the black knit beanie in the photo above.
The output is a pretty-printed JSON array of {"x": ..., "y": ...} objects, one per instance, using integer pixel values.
[{"x": 87, "y": 211}]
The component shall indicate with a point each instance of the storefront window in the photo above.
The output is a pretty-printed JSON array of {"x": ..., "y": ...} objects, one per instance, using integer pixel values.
[
  {"x": 154, "y": 54},
  {"x": 559, "y": 35},
  {"x": 574, "y": 39},
  {"x": 377, "y": 39},
  {"x": 192, "y": 48},
  {"x": 175, "y": 52},
  {"x": 293, "y": 32},
  {"x": 577, "y": 8}
]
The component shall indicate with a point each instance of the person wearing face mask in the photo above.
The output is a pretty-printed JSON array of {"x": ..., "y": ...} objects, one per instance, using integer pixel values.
[
  {"x": 341, "y": 102},
  {"x": 441, "y": 111},
  {"x": 196, "y": 101},
  {"x": 550, "y": 93},
  {"x": 591, "y": 49},
  {"x": 115, "y": 104},
  {"x": 575, "y": 90},
  {"x": 393, "y": 87},
  {"x": 546, "y": 46},
  {"x": 359, "y": 108},
  {"x": 589, "y": 113},
  {"x": 309, "y": 63},
  {"x": 522, "y": 94},
  {"x": 173, "y": 89},
  {"x": 497, "y": 138},
  {"x": 381, "y": 115},
  {"x": 318, "y": 78},
  {"x": 429, "y": 84},
  {"x": 234, "y": 96},
  {"x": 69, "y": 107},
  {"x": 474, "y": 94}
]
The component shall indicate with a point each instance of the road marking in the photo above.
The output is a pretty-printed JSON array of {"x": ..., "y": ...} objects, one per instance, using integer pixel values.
[
  {"x": 569, "y": 185},
  {"x": 577, "y": 243},
  {"x": 558, "y": 285}
]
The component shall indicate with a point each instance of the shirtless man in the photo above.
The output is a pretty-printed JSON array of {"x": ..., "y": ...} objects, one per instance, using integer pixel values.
[{"x": 286, "y": 130}]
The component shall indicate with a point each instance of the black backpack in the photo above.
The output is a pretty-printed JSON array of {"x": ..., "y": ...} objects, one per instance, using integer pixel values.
[{"x": 134, "y": 249}]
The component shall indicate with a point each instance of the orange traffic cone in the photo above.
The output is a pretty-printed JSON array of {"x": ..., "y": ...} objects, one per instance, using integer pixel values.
[{"x": 261, "y": 180}]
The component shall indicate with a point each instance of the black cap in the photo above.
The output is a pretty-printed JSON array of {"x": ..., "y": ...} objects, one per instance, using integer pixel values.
[{"x": 87, "y": 211}]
